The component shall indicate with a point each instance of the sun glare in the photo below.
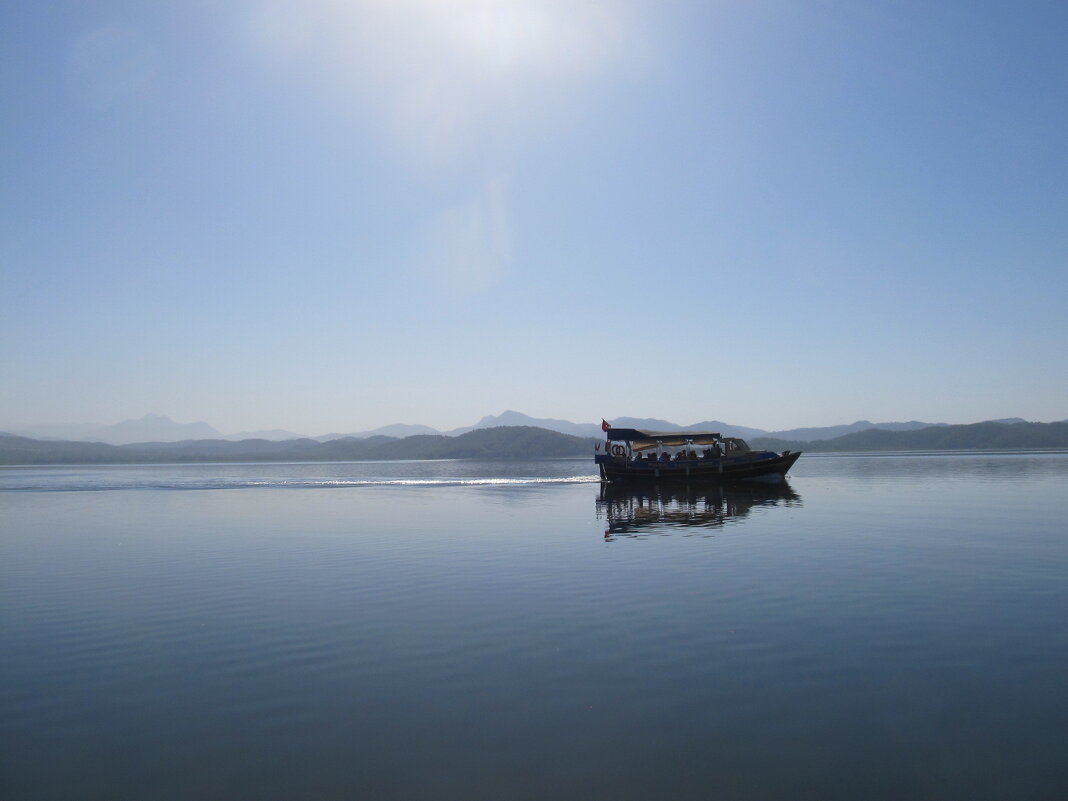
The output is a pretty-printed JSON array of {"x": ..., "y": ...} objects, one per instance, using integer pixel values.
[
  {"x": 499, "y": 35},
  {"x": 436, "y": 72},
  {"x": 528, "y": 37}
]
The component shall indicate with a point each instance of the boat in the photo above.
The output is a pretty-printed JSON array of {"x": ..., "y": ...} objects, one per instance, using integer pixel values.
[{"x": 630, "y": 454}]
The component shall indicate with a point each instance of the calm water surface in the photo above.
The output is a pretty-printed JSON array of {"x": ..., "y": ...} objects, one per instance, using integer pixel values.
[{"x": 878, "y": 627}]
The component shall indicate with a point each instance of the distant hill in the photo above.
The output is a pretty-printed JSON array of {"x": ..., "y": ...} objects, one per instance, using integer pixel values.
[
  {"x": 512, "y": 419},
  {"x": 151, "y": 427},
  {"x": 395, "y": 430},
  {"x": 24, "y": 450},
  {"x": 273, "y": 434},
  {"x": 830, "y": 432},
  {"x": 156, "y": 427},
  {"x": 726, "y": 429},
  {"x": 502, "y": 442},
  {"x": 160, "y": 429},
  {"x": 645, "y": 424},
  {"x": 976, "y": 436}
]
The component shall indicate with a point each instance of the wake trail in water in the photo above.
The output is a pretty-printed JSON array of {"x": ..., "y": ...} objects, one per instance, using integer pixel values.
[{"x": 293, "y": 483}]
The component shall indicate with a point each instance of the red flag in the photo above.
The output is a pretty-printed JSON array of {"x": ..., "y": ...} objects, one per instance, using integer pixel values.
[{"x": 604, "y": 425}]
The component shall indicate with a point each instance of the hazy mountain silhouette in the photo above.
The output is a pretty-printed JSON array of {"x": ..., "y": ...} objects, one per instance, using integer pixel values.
[
  {"x": 271, "y": 434},
  {"x": 150, "y": 428},
  {"x": 493, "y": 443},
  {"x": 512, "y": 418},
  {"x": 830, "y": 432},
  {"x": 158, "y": 428},
  {"x": 504, "y": 442},
  {"x": 1007, "y": 434},
  {"x": 394, "y": 430},
  {"x": 726, "y": 429}
]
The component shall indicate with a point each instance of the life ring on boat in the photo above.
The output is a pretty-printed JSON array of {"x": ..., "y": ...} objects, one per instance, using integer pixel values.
[{"x": 618, "y": 450}]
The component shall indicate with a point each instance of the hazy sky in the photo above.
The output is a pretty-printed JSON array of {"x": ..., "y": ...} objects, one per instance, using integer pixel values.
[{"x": 330, "y": 216}]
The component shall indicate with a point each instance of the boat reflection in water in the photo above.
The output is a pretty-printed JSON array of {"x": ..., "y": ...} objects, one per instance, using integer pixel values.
[{"x": 662, "y": 509}]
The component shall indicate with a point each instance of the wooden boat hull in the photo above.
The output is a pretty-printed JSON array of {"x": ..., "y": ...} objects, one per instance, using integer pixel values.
[{"x": 727, "y": 468}]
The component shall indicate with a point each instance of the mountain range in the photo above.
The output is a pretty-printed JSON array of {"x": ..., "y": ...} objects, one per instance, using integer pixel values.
[
  {"x": 159, "y": 428},
  {"x": 497, "y": 443},
  {"x": 503, "y": 442}
]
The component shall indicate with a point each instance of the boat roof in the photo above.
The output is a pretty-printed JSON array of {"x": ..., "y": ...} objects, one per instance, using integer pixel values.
[{"x": 663, "y": 437}]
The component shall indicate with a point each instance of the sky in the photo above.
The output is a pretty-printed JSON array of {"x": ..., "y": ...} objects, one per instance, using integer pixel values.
[{"x": 333, "y": 216}]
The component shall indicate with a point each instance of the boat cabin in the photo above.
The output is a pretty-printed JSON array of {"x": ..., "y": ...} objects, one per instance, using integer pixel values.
[{"x": 667, "y": 446}]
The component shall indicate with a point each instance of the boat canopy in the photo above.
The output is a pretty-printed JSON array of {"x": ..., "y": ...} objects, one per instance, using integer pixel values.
[{"x": 672, "y": 439}]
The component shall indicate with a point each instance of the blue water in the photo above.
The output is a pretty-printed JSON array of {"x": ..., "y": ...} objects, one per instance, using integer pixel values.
[{"x": 877, "y": 627}]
